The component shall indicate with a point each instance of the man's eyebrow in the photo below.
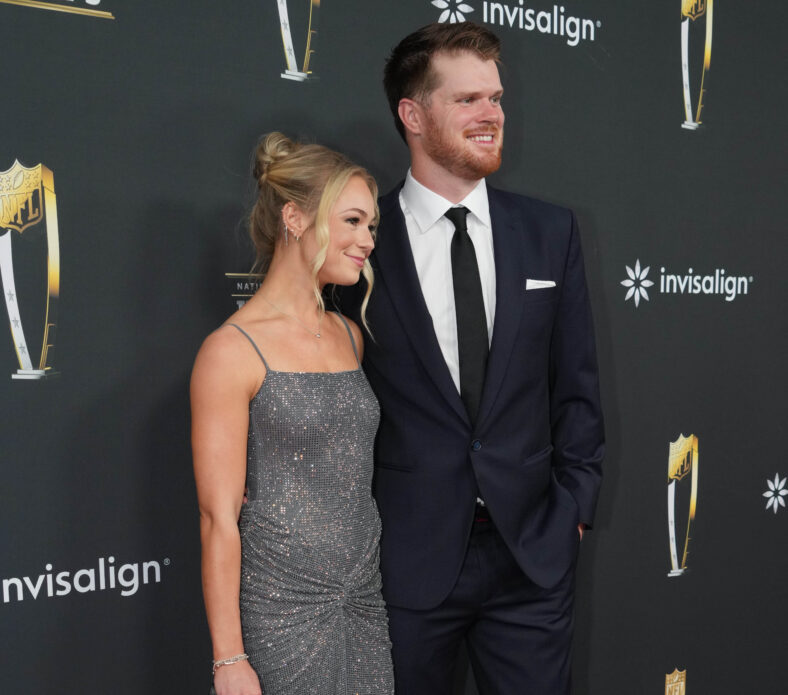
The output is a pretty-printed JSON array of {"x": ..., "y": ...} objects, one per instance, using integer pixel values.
[{"x": 476, "y": 94}]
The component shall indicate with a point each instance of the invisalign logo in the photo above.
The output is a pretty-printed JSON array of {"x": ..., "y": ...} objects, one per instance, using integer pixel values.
[
  {"x": 719, "y": 283},
  {"x": 516, "y": 15},
  {"x": 105, "y": 576}
]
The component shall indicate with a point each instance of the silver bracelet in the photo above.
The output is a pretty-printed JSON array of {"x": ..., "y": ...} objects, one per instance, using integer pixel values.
[{"x": 227, "y": 662}]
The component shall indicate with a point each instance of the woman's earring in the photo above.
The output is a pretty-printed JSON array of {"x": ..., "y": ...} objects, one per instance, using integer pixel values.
[{"x": 286, "y": 231}]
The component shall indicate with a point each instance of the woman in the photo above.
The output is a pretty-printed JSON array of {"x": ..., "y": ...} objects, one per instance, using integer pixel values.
[{"x": 281, "y": 407}]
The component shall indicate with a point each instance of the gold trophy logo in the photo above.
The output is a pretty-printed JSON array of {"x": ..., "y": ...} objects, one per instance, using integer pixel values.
[
  {"x": 27, "y": 196},
  {"x": 692, "y": 12},
  {"x": 676, "y": 683},
  {"x": 682, "y": 497},
  {"x": 293, "y": 72}
]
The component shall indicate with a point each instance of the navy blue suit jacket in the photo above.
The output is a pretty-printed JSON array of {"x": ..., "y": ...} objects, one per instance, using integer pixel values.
[{"x": 537, "y": 447}]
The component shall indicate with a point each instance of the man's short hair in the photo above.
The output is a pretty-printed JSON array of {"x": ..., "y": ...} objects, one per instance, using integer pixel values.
[{"x": 409, "y": 73}]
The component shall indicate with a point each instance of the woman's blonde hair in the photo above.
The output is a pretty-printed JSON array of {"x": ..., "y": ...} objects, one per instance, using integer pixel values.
[{"x": 312, "y": 177}]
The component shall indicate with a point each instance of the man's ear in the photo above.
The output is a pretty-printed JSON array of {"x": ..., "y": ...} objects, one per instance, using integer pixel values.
[{"x": 411, "y": 113}]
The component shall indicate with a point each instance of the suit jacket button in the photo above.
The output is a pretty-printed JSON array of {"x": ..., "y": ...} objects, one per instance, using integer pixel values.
[{"x": 476, "y": 445}]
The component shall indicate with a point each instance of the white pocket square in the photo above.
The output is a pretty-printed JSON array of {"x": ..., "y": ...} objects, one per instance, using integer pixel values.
[{"x": 538, "y": 284}]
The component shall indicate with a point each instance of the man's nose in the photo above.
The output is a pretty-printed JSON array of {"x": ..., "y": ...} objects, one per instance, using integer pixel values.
[{"x": 491, "y": 112}]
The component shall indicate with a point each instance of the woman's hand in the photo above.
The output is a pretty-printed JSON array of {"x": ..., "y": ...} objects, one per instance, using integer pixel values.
[{"x": 236, "y": 679}]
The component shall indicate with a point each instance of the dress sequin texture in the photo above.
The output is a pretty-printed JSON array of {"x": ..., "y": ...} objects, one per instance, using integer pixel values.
[{"x": 312, "y": 613}]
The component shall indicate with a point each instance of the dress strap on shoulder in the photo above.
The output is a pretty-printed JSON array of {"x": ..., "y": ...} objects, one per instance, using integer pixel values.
[
  {"x": 350, "y": 333},
  {"x": 254, "y": 345}
]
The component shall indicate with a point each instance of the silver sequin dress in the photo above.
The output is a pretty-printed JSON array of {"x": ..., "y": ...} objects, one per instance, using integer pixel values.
[{"x": 312, "y": 613}]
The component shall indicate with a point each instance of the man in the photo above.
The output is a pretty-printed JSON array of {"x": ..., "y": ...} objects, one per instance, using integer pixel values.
[{"x": 488, "y": 457}]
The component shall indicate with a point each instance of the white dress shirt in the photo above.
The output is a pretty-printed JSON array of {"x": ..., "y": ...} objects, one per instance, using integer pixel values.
[{"x": 430, "y": 235}]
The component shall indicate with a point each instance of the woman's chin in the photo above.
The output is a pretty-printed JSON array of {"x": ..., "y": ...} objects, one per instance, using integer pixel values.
[{"x": 345, "y": 280}]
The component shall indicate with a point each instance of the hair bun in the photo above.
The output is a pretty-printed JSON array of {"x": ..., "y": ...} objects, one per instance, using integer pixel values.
[{"x": 270, "y": 149}]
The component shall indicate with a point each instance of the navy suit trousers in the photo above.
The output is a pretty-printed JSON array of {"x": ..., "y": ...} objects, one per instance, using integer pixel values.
[{"x": 518, "y": 634}]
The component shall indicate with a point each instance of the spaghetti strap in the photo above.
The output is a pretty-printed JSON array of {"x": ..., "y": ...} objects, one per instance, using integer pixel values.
[
  {"x": 352, "y": 339},
  {"x": 254, "y": 345}
]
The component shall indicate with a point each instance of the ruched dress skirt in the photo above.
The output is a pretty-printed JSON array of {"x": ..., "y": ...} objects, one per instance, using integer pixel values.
[{"x": 312, "y": 614}]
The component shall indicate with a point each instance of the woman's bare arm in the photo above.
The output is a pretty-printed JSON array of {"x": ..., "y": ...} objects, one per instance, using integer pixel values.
[{"x": 221, "y": 387}]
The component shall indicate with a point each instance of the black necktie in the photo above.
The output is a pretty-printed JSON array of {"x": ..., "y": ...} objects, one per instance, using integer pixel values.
[{"x": 471, "y": 317}]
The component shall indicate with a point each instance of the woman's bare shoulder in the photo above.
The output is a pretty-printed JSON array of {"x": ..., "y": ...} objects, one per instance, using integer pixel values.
[
  {"x": 228, "y": 358},
  {"x": 224, "y": 345}
]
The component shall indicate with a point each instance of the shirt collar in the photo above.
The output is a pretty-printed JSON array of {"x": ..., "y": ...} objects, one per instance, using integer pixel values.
[{"x": 427, "y": 207}]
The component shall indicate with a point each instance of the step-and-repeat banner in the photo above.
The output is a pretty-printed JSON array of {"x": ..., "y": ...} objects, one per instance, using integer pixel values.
[{"x": 125, "y": 142}]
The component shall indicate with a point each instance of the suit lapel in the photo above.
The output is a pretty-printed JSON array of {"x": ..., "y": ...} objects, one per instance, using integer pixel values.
[
  {"x": 508, "y": 247},
  {"x": 394, "y": 262}
]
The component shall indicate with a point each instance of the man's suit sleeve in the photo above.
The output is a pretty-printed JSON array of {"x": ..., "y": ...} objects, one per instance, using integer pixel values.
[{"x": 575, "y": 408}]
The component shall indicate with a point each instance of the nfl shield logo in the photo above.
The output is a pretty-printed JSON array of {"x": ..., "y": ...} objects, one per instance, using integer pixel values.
[
  {"x": 693, "y": 8},
  {"x": 20, "y": 197},
  {"x": 676, "y": 683}
]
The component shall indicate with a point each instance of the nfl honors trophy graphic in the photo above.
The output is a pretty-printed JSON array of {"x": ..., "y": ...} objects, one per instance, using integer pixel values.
[
  {"x": 27, "y": 197},
  {"x": 60, "y": 7},
  {"x": 242, "y": 286},
  {"x": 696, "y": 18},
  {"x": 682, "y": 498},
  {"x": 676, "y": 683},
  {"x": 293, "y": 72}
]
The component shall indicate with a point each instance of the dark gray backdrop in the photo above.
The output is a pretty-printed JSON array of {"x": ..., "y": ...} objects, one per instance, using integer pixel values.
[{"x": 148, "y": 120}]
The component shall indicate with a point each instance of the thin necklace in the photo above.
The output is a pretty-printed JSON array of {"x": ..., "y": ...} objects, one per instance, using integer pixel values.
[{"x": 295, "y": 318}]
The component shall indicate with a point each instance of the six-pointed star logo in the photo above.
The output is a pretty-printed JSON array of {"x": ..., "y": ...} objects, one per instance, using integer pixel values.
[
  {"x": 776, "y": 493},
  {"x": 453, "y": 10},
  {"x": 637, "y": 282}
]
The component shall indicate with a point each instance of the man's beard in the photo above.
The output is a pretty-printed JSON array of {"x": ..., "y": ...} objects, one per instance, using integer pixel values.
[{"x": 458, "y": 160}]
